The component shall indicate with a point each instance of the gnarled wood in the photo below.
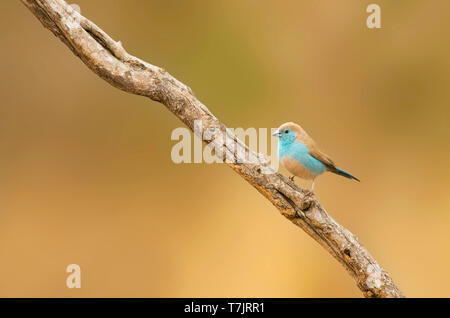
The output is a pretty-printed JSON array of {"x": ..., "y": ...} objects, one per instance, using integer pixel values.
[{"x": 110, "y": 61}]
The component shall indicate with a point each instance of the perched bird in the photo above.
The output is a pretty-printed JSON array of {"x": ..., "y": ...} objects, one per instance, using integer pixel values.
[{"x": 299, "y": 154}]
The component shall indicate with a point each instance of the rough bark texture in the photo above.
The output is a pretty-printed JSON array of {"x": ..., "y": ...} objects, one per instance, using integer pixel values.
[{"x": 110, "y": 61}]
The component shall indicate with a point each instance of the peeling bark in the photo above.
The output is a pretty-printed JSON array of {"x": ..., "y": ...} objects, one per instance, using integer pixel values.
[{"x": 110, "y": 61}]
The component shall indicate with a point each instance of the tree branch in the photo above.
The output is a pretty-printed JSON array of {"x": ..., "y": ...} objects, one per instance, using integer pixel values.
[{"x": 110, "y": 61}]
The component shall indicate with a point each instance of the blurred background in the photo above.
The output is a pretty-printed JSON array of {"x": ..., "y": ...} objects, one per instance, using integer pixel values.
[{"x": 86, "y": 175}]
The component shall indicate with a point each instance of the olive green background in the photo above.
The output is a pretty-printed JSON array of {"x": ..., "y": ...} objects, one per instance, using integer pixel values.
[{"x": 86, "y": 175}]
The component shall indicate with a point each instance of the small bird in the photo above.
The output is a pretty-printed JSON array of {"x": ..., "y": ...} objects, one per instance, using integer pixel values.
[{"x": 299, "y": 154}]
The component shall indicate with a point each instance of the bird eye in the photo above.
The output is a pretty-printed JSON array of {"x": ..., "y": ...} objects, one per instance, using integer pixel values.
[{"x": 286, "y": 131}]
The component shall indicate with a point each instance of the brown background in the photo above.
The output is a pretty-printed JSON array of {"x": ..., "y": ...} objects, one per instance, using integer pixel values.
[{"x": 86, "y": 175}]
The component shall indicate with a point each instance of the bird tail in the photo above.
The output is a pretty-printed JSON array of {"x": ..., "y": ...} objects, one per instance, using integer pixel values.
[{"x": 343, "y": 173}]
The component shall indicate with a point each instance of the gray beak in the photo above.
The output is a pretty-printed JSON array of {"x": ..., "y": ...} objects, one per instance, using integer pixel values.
[{"x": 277, "y": 133}]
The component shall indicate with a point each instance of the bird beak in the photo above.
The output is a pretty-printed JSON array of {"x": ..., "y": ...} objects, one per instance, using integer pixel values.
[{"x": 277, "y": 133}]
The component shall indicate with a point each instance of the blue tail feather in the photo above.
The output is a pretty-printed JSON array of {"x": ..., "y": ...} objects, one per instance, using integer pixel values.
[{"x": 343, "y": 173}]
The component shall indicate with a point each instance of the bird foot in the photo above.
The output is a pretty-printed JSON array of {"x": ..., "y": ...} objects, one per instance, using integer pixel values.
[
  {"x": 309, "y": 193},
  {"x": 292, "y": 178}
]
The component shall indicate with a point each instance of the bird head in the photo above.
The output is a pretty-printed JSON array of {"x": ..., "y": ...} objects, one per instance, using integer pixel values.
[{"x": 288, "y": 132}]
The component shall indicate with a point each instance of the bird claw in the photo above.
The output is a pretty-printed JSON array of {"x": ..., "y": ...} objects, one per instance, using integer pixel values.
[{"x": 292, "y": 178}]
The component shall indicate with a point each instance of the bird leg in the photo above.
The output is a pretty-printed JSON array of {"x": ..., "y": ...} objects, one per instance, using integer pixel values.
[
  {"x": 292, "y": 178},
  {"x": 311, "y": 192}
]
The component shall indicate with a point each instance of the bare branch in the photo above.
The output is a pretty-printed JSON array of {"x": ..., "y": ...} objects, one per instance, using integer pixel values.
[{"x": 110, "y": 61}]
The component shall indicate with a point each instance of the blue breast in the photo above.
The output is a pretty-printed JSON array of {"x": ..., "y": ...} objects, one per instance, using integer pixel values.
[{"x": 299, "y": 152}]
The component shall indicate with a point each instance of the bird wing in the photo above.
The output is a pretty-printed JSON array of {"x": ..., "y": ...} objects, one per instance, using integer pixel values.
[
  {"x": 319, "y": 155},
  {"x": 314, "y": 151}
]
